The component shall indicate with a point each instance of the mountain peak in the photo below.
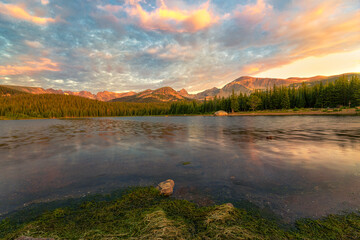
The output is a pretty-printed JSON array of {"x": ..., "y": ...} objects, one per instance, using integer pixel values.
[
  {"x": 164, "y": 94},
  {"x": 183, "y": 92},
  {"x": 165, "y": 90}
]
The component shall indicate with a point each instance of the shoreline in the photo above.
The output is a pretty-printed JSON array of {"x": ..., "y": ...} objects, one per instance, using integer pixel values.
[
  {"x": 290, "y": 112},
  {"x": 351, "y": 111}
]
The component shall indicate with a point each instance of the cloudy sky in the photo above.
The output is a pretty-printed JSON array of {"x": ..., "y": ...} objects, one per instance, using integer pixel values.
[{"x": 122, "y": 45}]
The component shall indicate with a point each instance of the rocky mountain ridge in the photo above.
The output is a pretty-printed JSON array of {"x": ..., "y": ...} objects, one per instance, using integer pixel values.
[
  {"x": 101, "y": 96},
  {"x": 164, "y": 94},
  {"x": 244, "y": 84}
]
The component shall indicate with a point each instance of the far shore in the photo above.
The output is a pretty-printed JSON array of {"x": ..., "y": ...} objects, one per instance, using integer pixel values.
[
  {"x": 351, "y": 111},
  {"x": 279, "y": 112}
]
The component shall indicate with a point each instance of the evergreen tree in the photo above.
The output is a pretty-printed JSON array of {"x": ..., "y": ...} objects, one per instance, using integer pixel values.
[
  {"x": 234, "y": 102},
  {"x": 254, "y": 102},
  {"x": 285, "y": 101}
]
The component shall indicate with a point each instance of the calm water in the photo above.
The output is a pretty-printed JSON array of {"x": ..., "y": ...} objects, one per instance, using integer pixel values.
[{"x": 310, "y": 168}]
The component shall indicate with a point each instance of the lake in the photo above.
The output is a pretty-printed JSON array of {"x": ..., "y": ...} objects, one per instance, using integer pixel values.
[{"x": 310, "y": 167}]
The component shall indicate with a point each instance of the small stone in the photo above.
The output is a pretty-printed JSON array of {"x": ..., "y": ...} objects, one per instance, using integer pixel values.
[
  {"x": 167, "y": 187},
  {"x": 270, "y": 137},
  {"x": 230, "y": 205}
]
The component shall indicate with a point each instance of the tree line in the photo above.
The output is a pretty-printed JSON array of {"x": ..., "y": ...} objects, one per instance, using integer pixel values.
[
  {"x": 5, "y": 91},
  {"x": 342, "y": 92},
  {"x": 57, "y": 106}
]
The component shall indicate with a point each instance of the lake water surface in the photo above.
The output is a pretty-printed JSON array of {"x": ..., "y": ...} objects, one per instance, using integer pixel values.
[{"x": 310, "y": 168}]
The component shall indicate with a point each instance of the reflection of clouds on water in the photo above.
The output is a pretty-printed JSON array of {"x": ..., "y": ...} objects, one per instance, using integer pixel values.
[{"x": 309, "y": 168}]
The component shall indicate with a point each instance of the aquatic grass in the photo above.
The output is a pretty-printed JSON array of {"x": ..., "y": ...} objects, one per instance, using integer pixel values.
[
  {"x": 142, "y": 213},
  {"x": 156, "y": 225},
  {"x": 260, "y": 212},
  {"x": 185, "y": 163},
  {"x": 228, "y": 222},
  {"x": 345, "y": 226},
  {"x": 221, "y": 214}
]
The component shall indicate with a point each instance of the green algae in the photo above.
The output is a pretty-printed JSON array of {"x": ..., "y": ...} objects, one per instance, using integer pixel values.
[
  {"x": 185, "y": 163},
  {"x": 142, "y": 213}
]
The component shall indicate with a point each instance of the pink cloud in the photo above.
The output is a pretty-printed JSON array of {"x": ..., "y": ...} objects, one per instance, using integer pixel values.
[
  {"x": 29, "y": 67},
  {"x": 19, "y": 12},
  {"x": 253, "y": 13},
  {"x": 33, "y": 44},
  {"x": 111, "y": 8},
  {"x": 45, "y": 2}
]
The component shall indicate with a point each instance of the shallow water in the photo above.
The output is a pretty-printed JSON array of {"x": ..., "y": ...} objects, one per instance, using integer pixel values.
[{"x": 310, "y": 168}]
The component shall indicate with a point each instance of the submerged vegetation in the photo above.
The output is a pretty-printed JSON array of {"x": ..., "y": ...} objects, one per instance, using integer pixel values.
[
  {"x": 342, "y": 92},
  {"x": 143, "y": 213}
]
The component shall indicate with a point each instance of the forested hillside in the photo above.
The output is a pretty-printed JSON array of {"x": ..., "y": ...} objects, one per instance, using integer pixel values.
[
  {"x": 342, "y": 92},
  {"x": 55, "y": 106},
  {"x": 5, "y": 91}
]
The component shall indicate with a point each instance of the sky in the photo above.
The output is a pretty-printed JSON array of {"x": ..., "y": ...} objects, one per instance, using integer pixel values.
[{"x": 133, "y": 45}]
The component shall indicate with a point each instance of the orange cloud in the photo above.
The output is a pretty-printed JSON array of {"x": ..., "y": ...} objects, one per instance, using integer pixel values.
[
  {"x": 251, "y": 69},
  {"x": 167, "y": 19},
  {"x": 18, "y": 12},
  {"x": 33, "y": 44},
  {"x": 29, "y": 67},
  {"x": 320, "y": 29}
]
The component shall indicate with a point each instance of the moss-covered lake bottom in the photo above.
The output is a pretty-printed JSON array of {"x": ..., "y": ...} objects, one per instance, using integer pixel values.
[{"x": 142, "y": 213}]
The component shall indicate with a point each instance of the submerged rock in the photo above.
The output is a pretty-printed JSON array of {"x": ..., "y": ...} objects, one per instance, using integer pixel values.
[
  {"x": 167, "y": 187},
  {"x": 221, "y": 113}
]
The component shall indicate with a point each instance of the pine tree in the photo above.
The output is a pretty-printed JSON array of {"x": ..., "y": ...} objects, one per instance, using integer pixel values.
[
  {"x": 234, "y": 102},
  {"x": 285, "y": 101},
  {"x": 254, "y": 102}
]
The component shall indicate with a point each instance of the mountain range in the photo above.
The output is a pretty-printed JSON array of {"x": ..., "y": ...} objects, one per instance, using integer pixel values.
[
  {"x": 245, "y": 84},
  {"x": 101, "y": 96}
]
